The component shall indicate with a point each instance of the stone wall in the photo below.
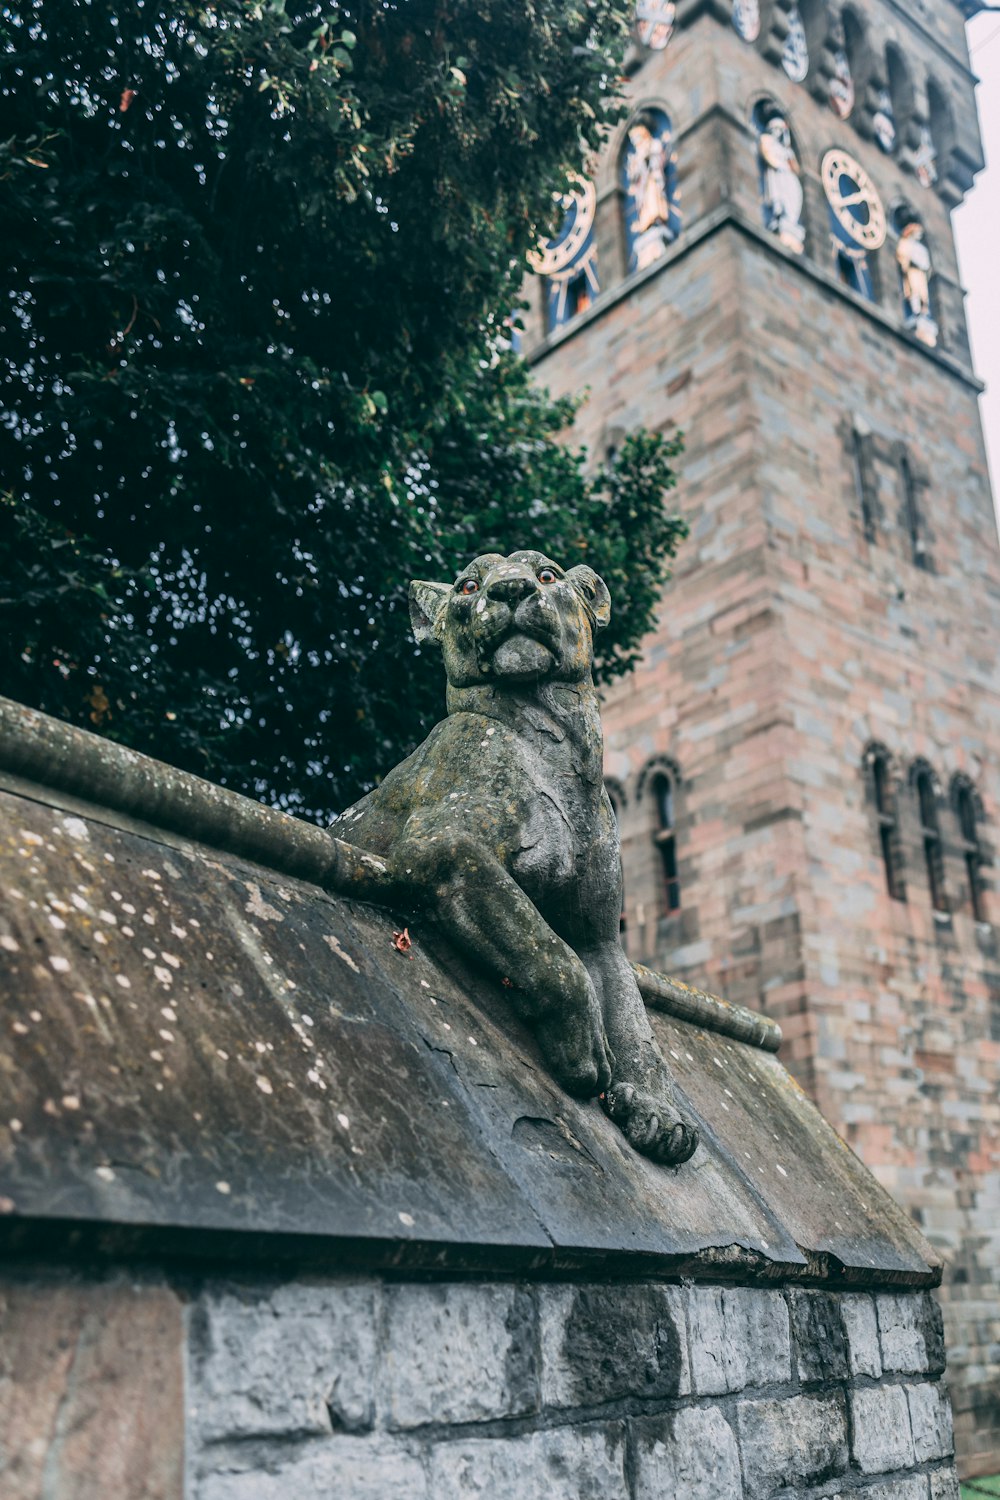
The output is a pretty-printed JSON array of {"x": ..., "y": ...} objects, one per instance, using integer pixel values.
[
  {"x": 375, "y": 1389},
  {"x": 631, "y": 1391}
]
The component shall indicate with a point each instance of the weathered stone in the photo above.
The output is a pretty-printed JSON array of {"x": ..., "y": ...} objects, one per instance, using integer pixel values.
[
  {"x": 905, "y": 1487},
  {"x": 354, "y": 1468},
  {"x": 821, "y": 1350},
  {"x": 944, "y": 1484},
  {"x": 294, "y": 1359},
  {"x": 801, "y": 1440},
  {"x": 458, "y": 1353},
  {"x": 579, "y": 1463},
  {"x": 690, "y": 1453},
  {"x": 860, "y": 1320},
  {"x": 91, "y": 1390},
  {"x": 930, "y": 1422},
  {"x": 499, "y": 822},
  {"x": 901, "y": 1324},
  {"x": 738, "y": 1336},
  {"x": 881, "y": 1439},
  {"x": 602, "y": 1343}
]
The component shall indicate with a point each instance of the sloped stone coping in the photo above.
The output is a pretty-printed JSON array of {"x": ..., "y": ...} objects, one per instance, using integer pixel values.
[{"x": 53, "y": 754}]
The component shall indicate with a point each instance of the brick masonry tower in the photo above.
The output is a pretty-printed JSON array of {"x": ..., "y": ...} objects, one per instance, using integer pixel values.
[{"x": 806, "y": 766}]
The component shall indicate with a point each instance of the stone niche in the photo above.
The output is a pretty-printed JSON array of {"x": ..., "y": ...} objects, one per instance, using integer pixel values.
[{"x": 290, "y": 1210}]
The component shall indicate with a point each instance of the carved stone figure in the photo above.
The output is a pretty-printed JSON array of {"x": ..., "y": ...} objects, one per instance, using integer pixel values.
[
  {"x": 500, "y": 824},
  {"x": 652, "y": 218},
  {"x": 914, "y": 261},
  {"x": 782, "y": 184}
]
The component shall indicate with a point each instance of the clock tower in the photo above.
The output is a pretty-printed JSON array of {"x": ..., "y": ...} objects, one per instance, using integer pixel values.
[{"x": 806, "y": 765}]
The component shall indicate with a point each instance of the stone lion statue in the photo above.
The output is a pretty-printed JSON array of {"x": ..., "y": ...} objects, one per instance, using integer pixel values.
[{"x": 500, "y": 823}]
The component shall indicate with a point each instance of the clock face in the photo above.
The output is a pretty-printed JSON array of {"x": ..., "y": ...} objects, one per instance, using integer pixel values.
[
  {"x": 795, "y": 56},
  {"x": 853, "y": 199},
  {"x": 654, "y": 22},
  {"x": 558, "y": 254},
  {"x": 746, "y": 19}
]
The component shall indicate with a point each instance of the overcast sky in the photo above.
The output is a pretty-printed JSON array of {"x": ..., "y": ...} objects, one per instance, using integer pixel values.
[{"x": 977, "y": 227}]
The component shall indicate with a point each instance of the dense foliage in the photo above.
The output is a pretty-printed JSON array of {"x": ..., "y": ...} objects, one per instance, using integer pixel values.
[{"x": 258, "y": 256}]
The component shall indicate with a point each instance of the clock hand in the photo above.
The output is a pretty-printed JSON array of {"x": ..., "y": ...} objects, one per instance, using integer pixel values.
[{"x": 858, "y": 197}]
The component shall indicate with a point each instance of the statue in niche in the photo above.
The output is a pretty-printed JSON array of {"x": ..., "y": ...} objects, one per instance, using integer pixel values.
[
  {"x": 781, "y": 178},
  {"x": 914, "y": 261},
  {"x": 795, "y": 53},
  {"x": 499, "y": 824},
  {"x": 746, "y": 19},
  {"x": 884, "y": 122},
  {"x": 654, "y": 22},
  {"x": 649, "y": 179},
  {"x": 841, "y": 86}
]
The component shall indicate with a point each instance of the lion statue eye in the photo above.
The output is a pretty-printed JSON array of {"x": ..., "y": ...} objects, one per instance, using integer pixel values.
[
  {"x": 546, "y": 575},
  {"x": 468, "y": 586}
]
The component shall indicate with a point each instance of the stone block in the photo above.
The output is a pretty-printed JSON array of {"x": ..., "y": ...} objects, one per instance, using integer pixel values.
[
  {"x": 602, "y": 1343},
  {"x": 857, "y": 1311},
  {"x": 944, "y": 1484},
  {"x": 570, "y": 1463},
  {"x": 904, "y": 1487},
  {"x": 690, "y": 1453},
  {"x": 458, "y": 1353},
  {"x": 930, "y": 1422},
  {"x": 820, "y": 1339},
  {"x": 739, "y": 1336},
  {"x": 933, "y": 1331},
  {"x": 293, "y": 1360},
  {"x": 882, "y": 1440},
  {"x": 91, "y": 1391},
  {"x": 797, "y": 1441},
  {"x": 901, "y": 1323},
  {"x": 356, "y": 1468}
]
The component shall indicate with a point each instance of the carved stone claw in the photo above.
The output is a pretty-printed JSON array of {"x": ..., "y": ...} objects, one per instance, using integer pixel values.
[{"x": 669, "y": 1142}]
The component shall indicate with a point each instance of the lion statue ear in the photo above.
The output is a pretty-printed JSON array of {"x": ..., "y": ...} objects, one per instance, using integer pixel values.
[
  {"x": 594, "y": 593},
  {"x": 427, "y": 600}
]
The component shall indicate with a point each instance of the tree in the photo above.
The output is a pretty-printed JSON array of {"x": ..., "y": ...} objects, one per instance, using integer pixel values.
[{"x": 261, "y": 259}]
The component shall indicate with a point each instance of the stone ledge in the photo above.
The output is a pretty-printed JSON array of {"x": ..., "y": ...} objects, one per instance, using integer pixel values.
[{"x": 206, "y": 1057}]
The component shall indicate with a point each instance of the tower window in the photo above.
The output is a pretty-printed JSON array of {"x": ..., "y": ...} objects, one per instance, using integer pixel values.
[
  {"x": 911, "y": 514},
  {"x": 885, "y": 813},
  {"x": 930, "y": 833},
  {"x": 965, "y": 806},
  {"x": 617, "y": 799},
  {"x": 665, "y": 839},
  {"x": 859, "y": 457}
]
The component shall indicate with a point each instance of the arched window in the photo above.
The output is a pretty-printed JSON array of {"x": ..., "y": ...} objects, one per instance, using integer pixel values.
[
  {"x": 965, "y": 804},
  {"x": 863, "y": 483},
  {"x": 884, "y": 797},
  {"x": 925, "y": 786},
  {"x": 616, "y": 796},
  {"x": 941, "y": 133},
  {"x": 665, "y": 839},
  {"x": 816, "y": 20},
  {"x": 900, "y": 94},
  {"x": 911, "y": 513},
  {"x": 859, "y": 53}
]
